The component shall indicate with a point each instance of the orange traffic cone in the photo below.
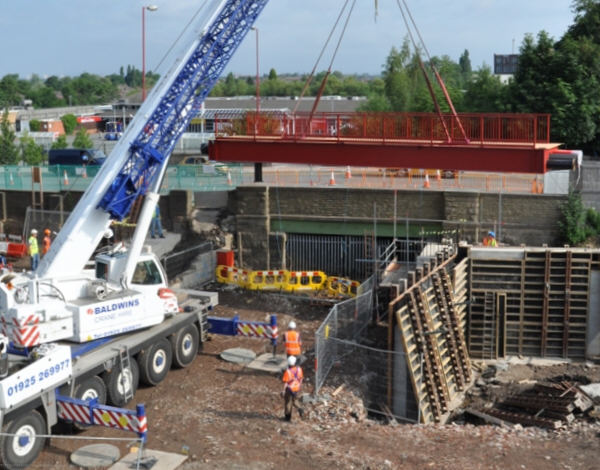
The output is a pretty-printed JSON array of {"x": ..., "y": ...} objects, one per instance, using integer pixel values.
[
  {"x": 84, "y": 174},
  {"x": 534, "y": 188},
  {"x": 229, "y": 182},
  {"x": 426, "y": 184},
  {"x": 348, "y": 174},
  {"x": 438, "y": 175},
  {"x": 332, "y": 180},
  {"x": 66, "y": 179}
]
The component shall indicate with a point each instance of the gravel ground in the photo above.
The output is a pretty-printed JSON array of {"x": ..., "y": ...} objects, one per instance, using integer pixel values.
[{"x": 225, "y": 416}]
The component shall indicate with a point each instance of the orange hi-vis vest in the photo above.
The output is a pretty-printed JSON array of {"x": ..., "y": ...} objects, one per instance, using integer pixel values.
[
  {"x": 292, "y": 343},
  {"x": 45, "y": 244},
  {"x": 293, "y": 377}
]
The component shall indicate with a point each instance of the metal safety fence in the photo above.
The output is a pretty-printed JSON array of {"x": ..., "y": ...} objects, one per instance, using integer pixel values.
[
  {"x": 59, "y": 178},
  {"x": 377, "y": 376},
  {"x": 346, "y": 320},
  {"x": 176, "y": 263}
]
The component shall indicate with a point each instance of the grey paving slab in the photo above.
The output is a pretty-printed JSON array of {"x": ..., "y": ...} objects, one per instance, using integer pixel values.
[
  {"x": 238, "y": 355},
  {"x": 95, "y": 456},
  {"x": 150, "y": 459},
  {"x": 269, "y": 363}
]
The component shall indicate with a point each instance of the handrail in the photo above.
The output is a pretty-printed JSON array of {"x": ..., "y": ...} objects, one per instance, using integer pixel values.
[{"x": 425, "y": 128}]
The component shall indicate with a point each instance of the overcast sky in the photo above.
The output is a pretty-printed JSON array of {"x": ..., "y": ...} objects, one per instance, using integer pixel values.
[{"x": 69, "y": 37}]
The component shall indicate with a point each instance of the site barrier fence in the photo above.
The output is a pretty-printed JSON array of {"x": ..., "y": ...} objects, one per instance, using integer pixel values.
[
  {"x": 346, "y": 320},
  {"x": 370, "y": 374},
  {"x": 286, "y": 281}
]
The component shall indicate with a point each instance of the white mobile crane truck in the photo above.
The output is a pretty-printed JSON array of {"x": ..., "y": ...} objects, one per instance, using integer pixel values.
[{"x": 91, "y": 333}]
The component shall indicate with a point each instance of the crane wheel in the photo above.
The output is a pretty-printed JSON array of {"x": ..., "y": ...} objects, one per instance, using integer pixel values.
[
  {"x": 155, "y": 362},
  {"x": 88, "y": 389},
  {"x": 20, "y": 449},
  {"x": 121, "y": 383},
  {"x": 185, "y": 343}
]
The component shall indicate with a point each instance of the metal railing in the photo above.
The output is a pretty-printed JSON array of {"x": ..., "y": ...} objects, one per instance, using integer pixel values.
[
  {"x": 56, "y": 178},
  {"x": 480, "y": 129},
  {"x": 176, "y": 263}
]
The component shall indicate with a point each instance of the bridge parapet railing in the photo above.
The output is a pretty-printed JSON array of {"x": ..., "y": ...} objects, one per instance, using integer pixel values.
[{"x": 489, "y": 129}]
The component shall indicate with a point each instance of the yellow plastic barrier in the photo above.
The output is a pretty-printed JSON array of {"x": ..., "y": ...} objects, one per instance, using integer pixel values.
[
  {"x": 223, "y": 273},
  {"x": 333, "y": 285},
  {"x": 242, "y": 278},
  {"x": 291, "y": 281},
  {"x": 268, "y": 280},
  {"x": 231, "y": 275},
  {"x": 348, "y": 287},
  {"x": 341, "y": 286},
  {"x": 305, "y": 280}
]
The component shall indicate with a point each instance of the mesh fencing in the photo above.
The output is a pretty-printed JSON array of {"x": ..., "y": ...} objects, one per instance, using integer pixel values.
[
  {"x": 346, "y": 320},
  {"x": 42, "y": 219},
  {"x": 379, "y": 377}
]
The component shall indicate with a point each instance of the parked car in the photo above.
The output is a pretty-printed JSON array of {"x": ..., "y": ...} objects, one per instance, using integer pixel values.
[
  {"x": 75, "y": 160},
  {"x": 201, "y": 165}
]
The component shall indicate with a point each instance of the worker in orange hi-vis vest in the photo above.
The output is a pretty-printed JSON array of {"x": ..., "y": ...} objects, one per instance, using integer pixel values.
[
  {"x": 292, "y": 383},
  {"x": 490, "y": 239},
  {"x": 293, "y": 344},
  {"x": 46, "y": 241}
]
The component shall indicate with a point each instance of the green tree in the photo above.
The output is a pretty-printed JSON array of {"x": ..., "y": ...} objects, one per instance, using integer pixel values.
[
  {"x": 464, "y": 63},
  {"x": 35, "y": 125},
  {"x": 82, "y": 140},
  {"x": 9, "y": 154},
  {"x": 60, "y": 143},
  {"x": 573, "y": 224},
  {"x": 31, "y": 153},
  {"x": 69, "y": 123},
  {"x": 272, "y": 74},
  {"x": 485, "y": 93}
]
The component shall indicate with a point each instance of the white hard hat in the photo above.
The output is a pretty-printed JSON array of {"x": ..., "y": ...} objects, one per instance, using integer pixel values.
[
  {"x": 33, "y": 230},
  {"x": 292, "y": 325},
  {"x": 292, "y": 361}
]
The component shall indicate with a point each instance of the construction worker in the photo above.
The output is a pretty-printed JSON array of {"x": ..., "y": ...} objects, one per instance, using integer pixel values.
[
  {"x": 46, "y": 241},
  {"x": 32, "y": 248},
  {"x": 292, "y": 383},
  {"x": 490, "y": 239},
  {"x": 155, "y": 225},
  {"x": 291, "y": 338}
]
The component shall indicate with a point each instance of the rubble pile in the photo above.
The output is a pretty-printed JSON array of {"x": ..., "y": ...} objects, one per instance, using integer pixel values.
[
  {"x": 547, "y": 405},
  {"x": 341, "y": 406},
  {"x": 550, "y": 404}
]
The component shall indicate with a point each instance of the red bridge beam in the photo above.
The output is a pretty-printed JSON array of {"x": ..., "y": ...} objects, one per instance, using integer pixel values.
[{"x": 505, "y": 158}]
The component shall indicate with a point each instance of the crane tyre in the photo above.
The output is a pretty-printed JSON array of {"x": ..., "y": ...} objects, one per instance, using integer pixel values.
[
  {"x": 88, "y": 389},
  {"x": 119, "y": 381},
  {"x": 185, "y": 345},
  {"x": 21, "y": 449},
  {"x": 155, "y": 362}
]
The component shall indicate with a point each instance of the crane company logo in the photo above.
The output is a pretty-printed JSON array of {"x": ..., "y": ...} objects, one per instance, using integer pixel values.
[
  {"x": 90, "y": 311},
  {"x": 117, "y": 306}
]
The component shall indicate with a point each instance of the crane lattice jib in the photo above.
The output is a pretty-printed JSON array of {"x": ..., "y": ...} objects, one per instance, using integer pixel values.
[{"x": 179, "y": 104}]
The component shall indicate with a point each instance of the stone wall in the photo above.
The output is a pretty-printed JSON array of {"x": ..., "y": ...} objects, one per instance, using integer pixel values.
[{"x": 518, "y": 219}]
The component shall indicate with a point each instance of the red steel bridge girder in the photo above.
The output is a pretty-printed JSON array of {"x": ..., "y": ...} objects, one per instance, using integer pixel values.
[{"x": 503, "y": 158}]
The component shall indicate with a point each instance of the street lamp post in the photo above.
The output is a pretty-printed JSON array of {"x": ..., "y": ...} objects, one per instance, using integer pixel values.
[
  {"x": 257, "y": 74},
  {"x": 257, "y": 166},
  {"x": 144, "y": 8}
]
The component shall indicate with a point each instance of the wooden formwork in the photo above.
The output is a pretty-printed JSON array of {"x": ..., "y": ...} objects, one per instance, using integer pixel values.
[
  {"x": 529, "y": 301},
  {"x": 431, "y": 323}
]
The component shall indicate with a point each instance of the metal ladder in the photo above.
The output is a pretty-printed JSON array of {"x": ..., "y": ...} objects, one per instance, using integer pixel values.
[{"x": 125, "y": 365}]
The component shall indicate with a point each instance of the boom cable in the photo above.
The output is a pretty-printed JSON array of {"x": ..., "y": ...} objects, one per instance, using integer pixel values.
[{"x": 312, "y": 74}]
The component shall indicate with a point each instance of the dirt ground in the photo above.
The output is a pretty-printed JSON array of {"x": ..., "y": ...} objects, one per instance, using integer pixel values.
[{"x": 225, "y": 416}]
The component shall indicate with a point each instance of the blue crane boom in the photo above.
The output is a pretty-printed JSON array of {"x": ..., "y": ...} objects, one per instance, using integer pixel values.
[
  {"x": 179, "y": 104},
  {"x": 138, "y": 162}
]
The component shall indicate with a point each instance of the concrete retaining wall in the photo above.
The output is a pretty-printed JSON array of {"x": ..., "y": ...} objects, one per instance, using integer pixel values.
[{"x": 518, "y": 219}]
